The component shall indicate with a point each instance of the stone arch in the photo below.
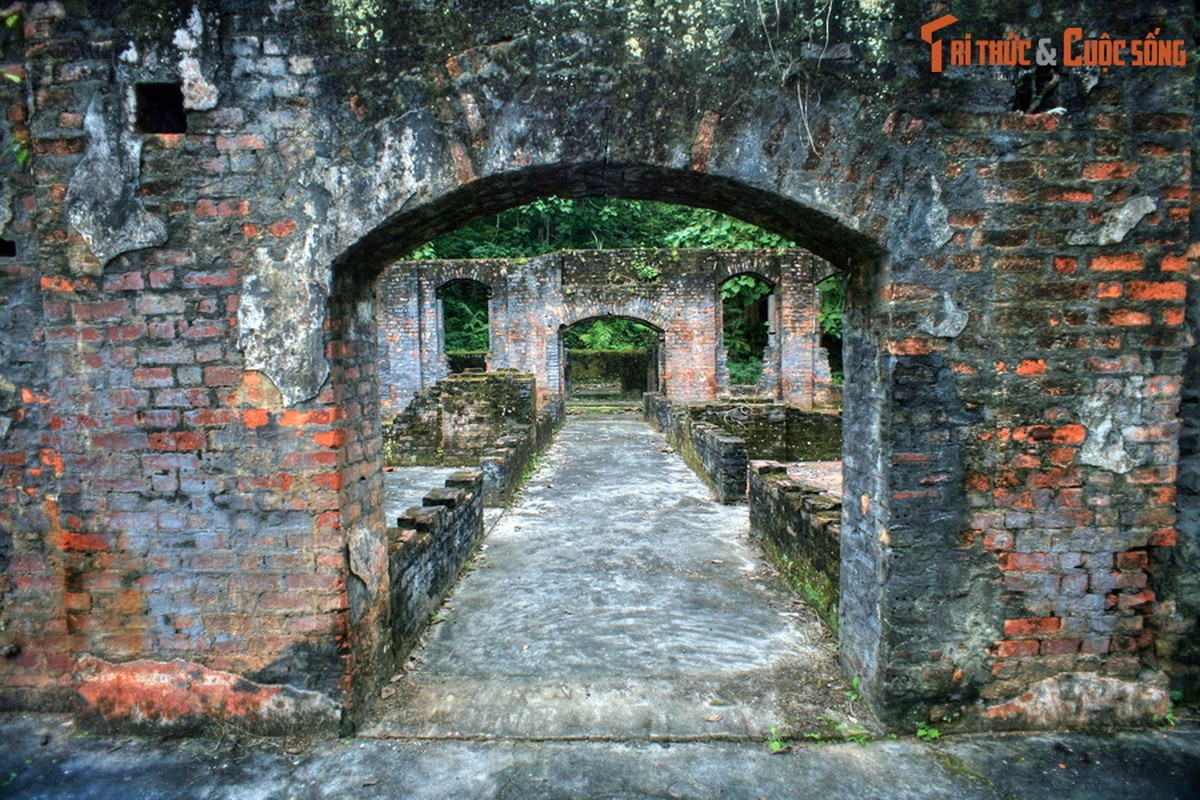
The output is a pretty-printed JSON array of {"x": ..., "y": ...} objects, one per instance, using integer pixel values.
[{"x": 818, "y": 231}]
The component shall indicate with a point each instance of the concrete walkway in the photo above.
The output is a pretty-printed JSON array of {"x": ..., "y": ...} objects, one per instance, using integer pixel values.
[{"x": 616, "y": 600}]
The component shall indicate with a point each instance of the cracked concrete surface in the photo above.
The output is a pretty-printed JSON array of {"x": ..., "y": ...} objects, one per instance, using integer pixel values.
[{"x": 617, "y": 600}]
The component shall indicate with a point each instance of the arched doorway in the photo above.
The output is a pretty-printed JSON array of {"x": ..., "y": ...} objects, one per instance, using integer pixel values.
[
  {"x": 408, "y": 229},
  {"x": 610, "y": 358}
]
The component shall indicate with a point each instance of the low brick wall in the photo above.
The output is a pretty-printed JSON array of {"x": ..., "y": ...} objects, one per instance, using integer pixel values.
[
  {"x": 453, "y": 422},
  {"x": 483, "y": 420},
  {"x": 428, "y": 548},
  {"x": 775, "y": 431},
  {"x": 716, "y": 456},
  {"x": 504, "y": 463},
  {"x": 800, "y": 526},
  {"x": 432, "y": 542},
  {"x": 717, "y": 440}
]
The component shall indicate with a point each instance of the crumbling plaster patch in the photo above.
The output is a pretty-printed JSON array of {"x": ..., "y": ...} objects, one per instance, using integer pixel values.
[
  {"x": 102, "y": 197},
  {"x": 1117, "y": 223}
]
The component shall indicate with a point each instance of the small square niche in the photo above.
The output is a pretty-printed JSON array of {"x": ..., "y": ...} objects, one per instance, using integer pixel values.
[
  {"x": 8, "y": 248},
  {"x": 160, "y": 108}
]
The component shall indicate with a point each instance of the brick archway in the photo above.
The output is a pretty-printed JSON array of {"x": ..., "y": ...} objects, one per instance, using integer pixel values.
[
  {"x": 190, "y": 437},
  {"x": 852, "y": 250}
]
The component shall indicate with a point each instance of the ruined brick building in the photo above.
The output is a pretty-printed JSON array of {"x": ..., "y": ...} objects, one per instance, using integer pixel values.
[
  {"x": 199, "y": 199},
  {"x": 532, "y": 302}
]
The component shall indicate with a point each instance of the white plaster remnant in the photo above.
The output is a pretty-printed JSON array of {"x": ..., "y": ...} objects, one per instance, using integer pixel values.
[
  {"x": 6, "y": 198},
  {"x": 368, "y": 560},
  {"x": 1076, "y": 700},
  {"x": 949, "y": 323},
  {"x": 199, "y": 93},
  {"x": 280, "y": 320},
  {"x": 1117, "y": 223},
  {"x": 1104, "y": 446},
  {"x": 938, "y": 218},
  {"x": 130, "y": 54},
  {"x": 102, "y": 197}
]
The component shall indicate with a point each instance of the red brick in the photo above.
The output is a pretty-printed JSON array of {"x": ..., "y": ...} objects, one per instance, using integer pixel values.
[
  {"x": 1147, "y": 290},
  {"x": 197, "y": 279},
  {"x": 1032, "y": 626},
  {"x": 1016, "y": 648},
  {"x": 1027, "y": 562},
  {"x": 330, "y": 438},
  {"x": 1134, "y": 559},
  {"x": 1107, "y": 170},
  {"x": 128, "y": 281},
  {"x": 255, "y": 417},
  {"x": 1058, "y": 647},
  {"x": 83, "y": 541},
  {"x": 1117, "y": 262},
  {"x": 1163, "y": 538},
  {"x": 183, "y": 440},
  {"x": 113, "y": 309},
  {"x": 292, "y": 418},
  {"x": 222, "y": 376},
  {"x": 1174, "y": 263},
  {"x": 284, "y": 227}
]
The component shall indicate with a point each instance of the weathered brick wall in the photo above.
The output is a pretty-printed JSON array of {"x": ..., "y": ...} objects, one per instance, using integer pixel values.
[
  {"x": 457, "y": 419},
  {"x": 801, "y": 526},
  {"x": 186, "y": 466},
  {"x": 533, "y": 300},
  {"x": 777, "y": 432},
  {"x": 506, "y": 464},
  {"x": 716, "y": 456},
  {"x": 427, "y": 551},
  {"x": 717, "y": 440},
  {"x": 484, "y": 420}
]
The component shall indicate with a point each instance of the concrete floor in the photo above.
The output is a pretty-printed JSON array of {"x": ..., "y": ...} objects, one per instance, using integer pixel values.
[
  {"x": 616, "y": 600},
  {"x": 45, "y": 756}
]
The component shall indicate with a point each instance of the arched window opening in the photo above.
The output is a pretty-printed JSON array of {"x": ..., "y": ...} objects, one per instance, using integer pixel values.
[
  {"x": 745, "y": 313},
  {"x": 465, "y": 327},
  {"x": 833, "y": 300}
]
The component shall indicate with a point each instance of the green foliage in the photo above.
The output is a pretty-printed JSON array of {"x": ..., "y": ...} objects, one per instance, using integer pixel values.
[
  {"x": 17, "y": 145},
  {"x": 609, "y": 333},
  {"x": 745, "y": 326},
  {"x": 556, "y": 223},
  {"x": 711, "y": 229},
  {"x": 928, "y": 733},
  {"x": 777, "y": 742},
  {"x": 833, "y": 301},
  {"x": 852, "y": 693},
  {"x": 465, "y": 310}
]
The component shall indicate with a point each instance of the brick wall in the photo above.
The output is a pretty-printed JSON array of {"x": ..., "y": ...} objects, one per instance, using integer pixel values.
[
  {"x": 800, "y": 525},
  {"x": 427, "y": 551},
  {"x": 186, "y": 466},
  {"x": 484, "y": 420},
  {"x": 716, "y": 456}
]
